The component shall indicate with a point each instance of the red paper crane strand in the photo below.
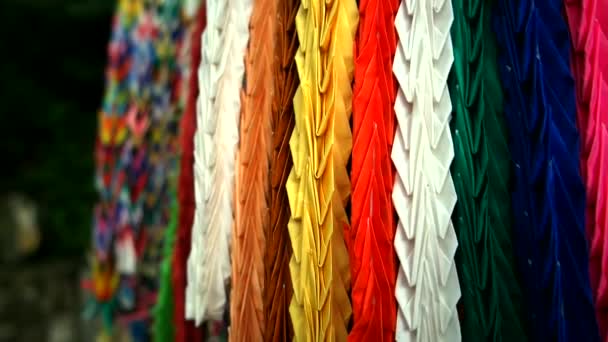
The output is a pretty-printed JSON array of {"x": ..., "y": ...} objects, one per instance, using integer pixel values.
[
  {"x": 373, "y": 227},
  {"x": 185, "y": 330}
]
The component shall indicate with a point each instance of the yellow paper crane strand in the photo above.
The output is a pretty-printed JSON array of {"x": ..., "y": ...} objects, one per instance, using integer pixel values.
[{"x": 318, "y": 186}]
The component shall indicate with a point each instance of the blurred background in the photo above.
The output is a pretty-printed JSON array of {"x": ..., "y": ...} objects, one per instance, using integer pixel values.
[{"x": 52, "y": 59}]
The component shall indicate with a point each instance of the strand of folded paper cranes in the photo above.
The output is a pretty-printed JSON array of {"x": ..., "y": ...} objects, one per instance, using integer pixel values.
[
  {"x": 491, "y": 296},
  {"x": 136, "y": 151},
  {"x": 588, "y": 21},
  {"x": 451, "y": 205}
]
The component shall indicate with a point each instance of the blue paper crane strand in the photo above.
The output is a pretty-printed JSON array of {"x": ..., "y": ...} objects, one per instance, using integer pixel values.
[{"x": 548, "y": 194}]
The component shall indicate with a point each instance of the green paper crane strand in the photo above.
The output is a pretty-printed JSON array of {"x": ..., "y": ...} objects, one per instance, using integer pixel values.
[
  {"x": 491, "y": 296},
  {"x": 163, "y": 311}
]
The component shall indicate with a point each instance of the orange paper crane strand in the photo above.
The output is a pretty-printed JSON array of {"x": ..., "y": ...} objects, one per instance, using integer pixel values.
[
  {"x": 252, "y": 179},
  {"x": 318, "y": 186},
  {"x": 278, "y": 287},
  {"x": 372, "y": 255}
]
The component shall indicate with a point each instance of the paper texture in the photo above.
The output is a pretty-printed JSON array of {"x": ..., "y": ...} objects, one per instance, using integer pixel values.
[
  {"x": 318, "y": 186},
  {"x": 492, "y": 304},
  {"x": 278, "y": 290},
  {"x": 370, "y": 239},
  {"x": 247, "y": 319},
  {"x": 548, "y": 196},
  {"x": 185, "y": 330},
  {"x": 588, "y": 22},
  {"x": 218, "y": 109},
  {"x": 424, "y": 196}
]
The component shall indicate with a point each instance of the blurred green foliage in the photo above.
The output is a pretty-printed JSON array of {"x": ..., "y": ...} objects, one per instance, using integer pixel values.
[{"x": 52, "y": 59}]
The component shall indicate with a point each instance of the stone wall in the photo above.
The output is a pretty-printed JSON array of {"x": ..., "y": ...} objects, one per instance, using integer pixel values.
[{"x": 42, "y": 302}]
